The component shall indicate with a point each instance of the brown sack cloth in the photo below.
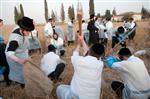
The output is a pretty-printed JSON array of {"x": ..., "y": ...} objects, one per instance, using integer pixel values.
[{"x": 37, "y": 84}]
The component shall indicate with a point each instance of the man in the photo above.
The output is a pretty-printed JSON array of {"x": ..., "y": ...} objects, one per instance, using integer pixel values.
[
  {"x": 70, "y": 32},
  {"x": 93, "y": 30},
  {"x": 86, "y": 81},
  {"x": 51, "y": 64},
  {"x": 58, "y": 43},
  {"x": 60, "y": 32},
  {"x": 109, "y": 28},
  {"x": 85, "y": 31},
  {"x": 17, "y": 49},
  {"x": 48, "y": 30},
  {"x": 132, "y": 25},
  {"x": 117, "y": 36},
  {"x": 135, "y": 77}
]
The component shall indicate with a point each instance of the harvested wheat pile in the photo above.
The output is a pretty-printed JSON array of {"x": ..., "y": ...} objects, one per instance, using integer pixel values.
[{"x": 38, "y": 85}]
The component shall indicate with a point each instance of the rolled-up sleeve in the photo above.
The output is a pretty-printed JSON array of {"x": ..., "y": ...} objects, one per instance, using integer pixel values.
[
  {"x": 75, "y": 57},
  {"x": 119, "y": 66}
]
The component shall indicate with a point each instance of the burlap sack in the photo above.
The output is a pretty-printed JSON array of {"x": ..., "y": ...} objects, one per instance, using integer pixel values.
[{"x": 36, "y": 83}]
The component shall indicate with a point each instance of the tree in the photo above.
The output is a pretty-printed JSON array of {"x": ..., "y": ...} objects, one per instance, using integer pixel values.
[
  {"x": 46, "y": 10},
  {"x": 145, "y": 13},
  {"x": 62, "y": 13},
  {"x": 16, "y": 14},
  {"x": 53, "y": 16},
  {"x": 114, "y": 12},
  {"x": 98, "y": 15},
  {"x": 71, "y": 13},
  {"x": 91, "y": 7},
  {"x": 21, "y": 11},
  {"x": 108, "y": 14}
]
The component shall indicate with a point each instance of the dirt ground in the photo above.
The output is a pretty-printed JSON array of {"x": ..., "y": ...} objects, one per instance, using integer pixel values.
[{"x": 15, "y": 92}]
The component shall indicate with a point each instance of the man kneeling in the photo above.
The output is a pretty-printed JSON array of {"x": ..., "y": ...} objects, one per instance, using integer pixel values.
[{"x": 51, "y": 64}]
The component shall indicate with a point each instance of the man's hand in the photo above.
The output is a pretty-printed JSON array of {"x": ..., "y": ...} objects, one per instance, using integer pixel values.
[
  {"x": 80, "y": 39},
  {"x": 23, "y": 61},
  {"x": 109, "y": 52}
]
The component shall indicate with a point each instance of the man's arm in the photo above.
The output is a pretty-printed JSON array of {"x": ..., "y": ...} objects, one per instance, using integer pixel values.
[
  {"x": 13, "y": 45},
  {"x": 84, "y": 45}
]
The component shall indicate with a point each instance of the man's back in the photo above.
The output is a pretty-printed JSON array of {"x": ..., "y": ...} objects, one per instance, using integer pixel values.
[
  {"x": 134, "y": 73},
  {"x": 86, "y": 81}
]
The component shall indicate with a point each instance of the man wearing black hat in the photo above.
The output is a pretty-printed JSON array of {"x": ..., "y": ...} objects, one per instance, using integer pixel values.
[
  {"x": 86, "y": 81},
  {"x": 93, "y": 30},
  {"x": 135, "y": 77},
  {"x": 17, "y": 49}
]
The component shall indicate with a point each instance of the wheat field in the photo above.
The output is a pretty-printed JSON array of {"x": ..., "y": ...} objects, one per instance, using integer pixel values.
[{"x": 15, "y": 92}]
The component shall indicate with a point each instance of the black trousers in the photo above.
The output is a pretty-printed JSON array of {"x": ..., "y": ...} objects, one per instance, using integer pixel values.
[
  {"x": 117, "y": 87},
  {"x": 59, "y": 69}
]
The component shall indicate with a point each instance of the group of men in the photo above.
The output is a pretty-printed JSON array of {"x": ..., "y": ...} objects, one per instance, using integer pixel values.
[
  {"x": 103, "y": 31},
  {"x": 87, "y": 76}
]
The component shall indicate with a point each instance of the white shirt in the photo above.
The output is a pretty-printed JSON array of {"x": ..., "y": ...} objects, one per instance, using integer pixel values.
[
  {"x": 57, "y": 43},
  {"x": 133, "y": 73},
  {"x": 132, "y": 25},
  {"x": 49, "y": 62},
  {"x": 48, "y": 30},
  {"x": 86, "y": 81},
  {"x": 84, "y": 27},
  {"x": 109, "y": 25},
  {"x": 109, "y": 28},
  {"x": 34, "y": 33}
]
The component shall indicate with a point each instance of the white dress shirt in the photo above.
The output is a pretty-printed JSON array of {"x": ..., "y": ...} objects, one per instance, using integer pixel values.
[
  {"x": 86, "y": 81},
  {"x": 49, "y": 62},
  {"x": 109, "y": 28},
  {"x": 134, "y": 74},
  {"x": 48, "y": 30}
]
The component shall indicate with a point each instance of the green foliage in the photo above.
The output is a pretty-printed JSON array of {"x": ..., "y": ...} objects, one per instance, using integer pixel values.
[
  {"x": 108, "y": 14},
  {"x": 114, "y": 12},
  {"x": 18, "y": 15},
  {"x": 71, "y": 13},
  {"x": 46, "y": 10},
  {"x": 21, "y": 11},
  {"x": 62, "y": 13},
  {"x": 98, "y": 15},
  {"x": 145, "y": 13},
  {"x": 91, "y": 7},
  {"x": 53, "y": 16}
]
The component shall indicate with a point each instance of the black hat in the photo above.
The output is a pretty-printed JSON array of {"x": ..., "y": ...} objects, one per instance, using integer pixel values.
[
  {"x": 26, "y": 24},
  {"x": 51, "y": 47},
  {"x": 124, "y": 52},
  {"x": 120, "y": 29},
  {"x": 98, "y": 49},
  {"x": 92, "y": 16}
]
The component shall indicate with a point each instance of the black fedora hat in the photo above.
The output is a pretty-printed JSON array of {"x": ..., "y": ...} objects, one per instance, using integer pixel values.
[
  {"x": 26, "y": 24},
  {"x": 92, "y": 16}
]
